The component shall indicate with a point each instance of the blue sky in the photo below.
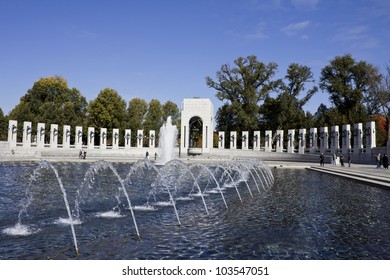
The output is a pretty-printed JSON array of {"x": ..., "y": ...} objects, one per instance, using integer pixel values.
[{"x": 165, "y": 49}]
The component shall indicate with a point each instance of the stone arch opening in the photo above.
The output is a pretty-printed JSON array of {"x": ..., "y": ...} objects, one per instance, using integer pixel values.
[{"x": 196, "y": 132}]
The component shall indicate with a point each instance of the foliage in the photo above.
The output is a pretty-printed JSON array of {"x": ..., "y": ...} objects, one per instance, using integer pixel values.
[
  {"x": 286, "y": 110},
  {"x": 51, "y": 101},
  {"x": 350, "y": 84},
  {"x": 107, "y": 110},
  {"x": 3, "y": 126},
  {"x": 170, "y": 109},
  {"x": 153, "y": 118},
  {"x": 242, "y": 87}
]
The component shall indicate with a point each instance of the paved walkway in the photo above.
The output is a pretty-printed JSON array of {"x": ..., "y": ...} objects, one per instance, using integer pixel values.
[{"x": 360, "y": 172}]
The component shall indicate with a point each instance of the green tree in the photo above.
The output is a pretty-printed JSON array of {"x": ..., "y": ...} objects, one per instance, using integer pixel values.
[
  {"x": 107, "y": 110},
  {"x": 3, "y": 126},
  {"x": 135, "y": 116},
  {"x": 170, "y": 108},
  {"x": 350, "y": 83},
  {"x": 51, "y": 101},
  {"x": 286, "y": 110},
  {"x": 153, "y": 118},
  {"x": 243, "y": 87}
]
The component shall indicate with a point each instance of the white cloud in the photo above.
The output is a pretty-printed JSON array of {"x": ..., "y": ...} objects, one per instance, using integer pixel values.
[
  {"x": 308, "y": 4},
  {"x": 295, "y": 28},
  {"x": 356, "y": 36},
  {"x": 259, "y": 31}
]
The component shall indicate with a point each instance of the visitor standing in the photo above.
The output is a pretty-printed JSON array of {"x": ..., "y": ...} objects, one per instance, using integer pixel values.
[
  {"x": 349, "y": 159},
  {"x": 322, "y": 159},
  {"x": 378, "y": 160},
  {"x": 147, "y": 155},
  {"x": 342, "y": 160},
  {"x": 334, "y": 157},
  {"x": 385, "y": 161}
]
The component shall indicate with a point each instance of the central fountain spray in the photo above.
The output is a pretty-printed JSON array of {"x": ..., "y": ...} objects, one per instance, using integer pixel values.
[{"x": 167, "y": 141}]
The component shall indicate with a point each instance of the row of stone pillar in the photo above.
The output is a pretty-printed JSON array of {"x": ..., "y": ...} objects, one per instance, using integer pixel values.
[
  {"x": 78, "y": 141},
  {"x": 328, "y": 140}
]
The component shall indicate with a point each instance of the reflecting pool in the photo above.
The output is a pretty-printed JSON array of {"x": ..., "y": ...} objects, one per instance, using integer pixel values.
[{"x": 231, "y": 210}]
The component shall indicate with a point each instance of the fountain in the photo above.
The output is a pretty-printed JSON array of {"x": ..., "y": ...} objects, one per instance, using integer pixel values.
[
  {"x": 178, "y": 211},
  {"x": 167, "y": 141}
]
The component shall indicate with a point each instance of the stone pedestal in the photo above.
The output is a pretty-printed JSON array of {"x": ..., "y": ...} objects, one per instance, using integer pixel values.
[
  {"x": 140, "y": 138},
  {"x": 27, "y": 129},
  {"x": 91, "y": 138},
  {"x": 115, "y": 138},
  {"x": 12, "y": 133},
  {"x": 78, "y": 137},
  {"x": 324, "y": 139},
  {"x": 370, "y": 136},
  {"x": 268, "y": 141},
  {"x": 152, "y": 139},
  {"x": 66, "y": 137},
  {"x": 233, "y": 140},
  {"x": 290, "y": 142},
  {"x": 53, "y": 136},
  {"x": 346, "y": 138},
  {"x": 279, "y": 141},
  {"x": 313, "y": 140},
  {"x": 127, "y": 138},
  {"x": 103, "y": 138},
  {"x": 244, "y": 140},
  {"x": 334, "y": 139},
  {"x": 302, "y": 141},
  {"x": 256, "y": 140},
  {"x": 357, "y": 138},
  {"x": 221, "y": 140},
  {"x": 41, "y": 135}
]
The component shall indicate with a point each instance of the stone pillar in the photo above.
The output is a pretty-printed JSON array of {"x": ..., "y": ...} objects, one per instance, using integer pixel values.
[
  {"x": 40, "y": 135},
  {"x": 66, "y": 137},
  {"x": 268, "y": 141},
  {"x": 103, "y": 138},
  {"x": 221, "y": 140},
  {"x": 78, "y": 137},
  {"x": 324, "y": 139},
  {"x": 233, "y": 140},
  {"x": 152, "y": 139},
  {"x": 334, "y": 139},
  {"x": 140, "y": 138},
  {"x": 27, "y": 134},
  {"x": 302, "y": 141},
  {"x": 91, "y": 138},
  {"x": 256, "y": 140},
  {"x": 12, "y": 133},
  {"x": 346, "y": 138},
  {"x": 53, "y": 136},
  {"x": 370, "y": 136},
  {"x": 290, "y": 143},
  {"x": 115, "y": 138},
  {"x": 357, "y": 137},
  {"x": 244, "y": 140},
  {"x": 279, "y": 141},
  {"x": 127, "y": 138},
  {"x": 313, "y": 140}
]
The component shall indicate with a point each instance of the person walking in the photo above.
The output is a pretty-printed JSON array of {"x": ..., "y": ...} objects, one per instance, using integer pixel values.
[
  {"x": 342, "y": 160},
  {"x": 378, "y": 160},
  {"x": 349, "y": 159}
]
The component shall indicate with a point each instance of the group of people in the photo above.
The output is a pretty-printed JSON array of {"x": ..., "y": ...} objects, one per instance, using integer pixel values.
[
  {"x": 382, "y": 160},
  {"x": 334, "y": 159}
]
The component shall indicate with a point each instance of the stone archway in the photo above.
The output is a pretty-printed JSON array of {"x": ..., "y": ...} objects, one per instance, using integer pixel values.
[{"x": 197, "y": 128}]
